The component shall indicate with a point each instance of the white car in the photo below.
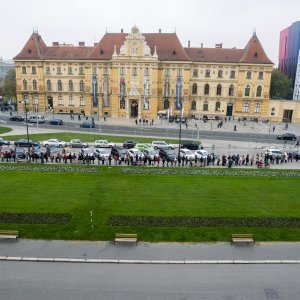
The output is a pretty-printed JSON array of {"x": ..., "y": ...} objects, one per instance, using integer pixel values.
[
  {"x": 161, "y": 145},
  {"x": 104, "y": 144},
  {"x": 186, "y": 153},
  {"x": 54, "y": 142},
  {"x": 276, "y": 153},
  {"x": 201, "y": 154},
  {"x": 101, "y": 153},
  {"x": 135, "y": 152}
]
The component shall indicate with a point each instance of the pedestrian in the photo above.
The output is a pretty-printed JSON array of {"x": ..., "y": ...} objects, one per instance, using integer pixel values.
[
  {"x": 234, "y": 128},
  {"x": 273, "y": 128}
]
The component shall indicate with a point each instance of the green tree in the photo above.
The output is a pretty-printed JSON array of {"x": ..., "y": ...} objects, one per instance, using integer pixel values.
[
  {"x": 9, "y": 86},
  {"x": 281, "y": 86}
]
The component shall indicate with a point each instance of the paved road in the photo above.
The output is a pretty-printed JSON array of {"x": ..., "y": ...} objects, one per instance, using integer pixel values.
[{"x": 47, "y": 281}]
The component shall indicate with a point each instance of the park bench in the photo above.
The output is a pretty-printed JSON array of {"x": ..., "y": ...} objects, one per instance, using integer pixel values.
[
  {"x": 126, "y": 237},
  {"x": 9, "y": 234},
  {"x": 242, "y": 238}
]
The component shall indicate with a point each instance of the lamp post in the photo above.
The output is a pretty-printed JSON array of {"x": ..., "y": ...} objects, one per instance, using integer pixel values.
[
  {"x": 179, "y": 140},
  {"x": 27, "y": 132}
]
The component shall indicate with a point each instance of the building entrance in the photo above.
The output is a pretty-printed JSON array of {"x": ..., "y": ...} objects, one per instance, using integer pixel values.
[
  {"x": 287, "y": 116},
  {"x": 134, "y": 109},
  {"x": 229, "y": 110}
]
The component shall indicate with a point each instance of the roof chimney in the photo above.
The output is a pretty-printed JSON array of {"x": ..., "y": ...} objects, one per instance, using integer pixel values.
[
  {"x": 201, "y": 45},
  {"x": 81, "y": 44},
  {"x": 56, "y": 44},
  {"x": 121, "y": 30},
  {"x": 159, "y": 30},
  {"x": 219, "y": 45},
  {"x": 189, "y": 44}
]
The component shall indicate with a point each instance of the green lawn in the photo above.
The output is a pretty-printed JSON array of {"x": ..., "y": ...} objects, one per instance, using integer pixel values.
[
  {"x": 109, "y": 192},
  {"x": 4, "y": 130}
]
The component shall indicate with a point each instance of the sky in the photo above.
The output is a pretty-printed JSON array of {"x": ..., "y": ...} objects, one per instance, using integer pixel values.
[{"x": 230, "y": 22}]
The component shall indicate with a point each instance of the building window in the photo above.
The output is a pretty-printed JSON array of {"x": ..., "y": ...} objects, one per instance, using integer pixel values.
[
  {"x": 80, "y": 70},
  {"x": 34, "y": 85},
  {"x": 248, "y": 76},
  {"x": 47, "y": 70},
  {"x": 205, "y": 106},
  {"x": 33, "y": 70},
  {"x": 60, "y": 100},
  {"x": 218, "y": 106},
  {"x": 220, "y": 74},
  {"x": 246, "y": 107},
  {"x": 23, "y": 70},
  {"x": 179, "y": 72},
  {"x": 207, "y": 73},
  {"x": 194, "y": 88},
  {"x": 58, "y": 70},
  {"x": 70, "y": 71},
  {"x": 258, "y": 91},
  {"x": 206, "y": 89},
  {"x": 134, "y": 71},
  {"x": 232, "y": 74},
  {"x": 261, "y": 75},
  {"x": 71, "y": 101},
  {"x": 81, "y": 86},
  {"x": 59, "y": 85},
  {"x": 247, "y": 90},
  {"x": 70, "y": 85},
  {"x": 167, "y": 72},
  {"x": 193, "y": 105},
  {"x": 231, "y": 90},
  {"x": 82, "y": 102},
  {"x": 105, "y": 71},
  {"x": 48, "y": 85},
  {"x": 122, "y": 71},
  {"x": 195, "y": 73},
  {"x": 257, "y": 107},
  {"x": 146, "y": 72},
  {"x": 36, "y": 101},
  {"x": 94, "y": 70},
  {"x": 219, "y": 89},
  {"x": 24, "y": 85}
]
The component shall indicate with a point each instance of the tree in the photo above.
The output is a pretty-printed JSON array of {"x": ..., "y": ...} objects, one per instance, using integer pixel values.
[
  {"x": 281, "y": 86},
  {"x": 9, "y": 86}
]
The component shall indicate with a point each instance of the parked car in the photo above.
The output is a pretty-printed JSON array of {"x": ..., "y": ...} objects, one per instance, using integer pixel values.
[
  {"x": 142, "y": 147},
  {"x": 287, "y": 136},
  {"x": 54, "y": 142},
  {"x": 16, "y": 118},
  {"x": 167, "y": 154},
  {"x": 87, "y": 152},
  {"x": 20, "y": 153},
  {"x": 56, "y": 122},
  {"x": 276, "y": 153},
  {"x": 191, "y": 145},
  {"x": 4, "y": 142},
  {"x": 87, "y": 124},
  {"x": 118, "y": 152},
  {"x": 135, "y": 153},
  {"x": 101, "y": 153},
  {"x": 76, "y": 143},
  {"x": 187, "y": 154},
  {"x": 26, "y": 143},
  {"x": 129, "y": 144},
  {"x": 161, "y": 145},
  {"x": 201, "y": 154},
  {"x": 104, "y": 144},
  {"x": 150, "y": 153},
  {"x": 5, "y": 149},
  {"x": 36, "y": 119},
  {"x": 296, "y": 154}
]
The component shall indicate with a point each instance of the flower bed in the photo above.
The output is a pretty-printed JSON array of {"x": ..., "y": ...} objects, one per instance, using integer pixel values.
[
  {"x": 25, "y": 218},
  {"x": 151, "y": 221},
  {"x": 211, "y": 172}
]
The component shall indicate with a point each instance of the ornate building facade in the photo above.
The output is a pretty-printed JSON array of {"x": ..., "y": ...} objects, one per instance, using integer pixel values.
[{"x": 138, "y": 75}]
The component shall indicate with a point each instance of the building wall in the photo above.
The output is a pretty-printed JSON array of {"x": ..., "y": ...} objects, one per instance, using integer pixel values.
[{"x": 296, "y": 95}]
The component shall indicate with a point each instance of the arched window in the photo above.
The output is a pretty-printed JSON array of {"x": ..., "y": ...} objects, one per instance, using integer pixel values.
[
  {"x": 207, "y": 73},
  {"x": 166, "y": 104},
  {"x": 194, "y": 88},
  {"x": 59, "y": 85},
  {"x": 24, "y": 84},
  {"x": 258, "y": 91},
  {"x": 248, "y": 76},
  {"x": 193, "y": 105},
  {"x": 231, "y": 90},
  {"x": 246, "y": 107},
  {"x": 247, "y": 90},
  {"x": 257, "y": 107},
  {"x": 70, "y": 85},
  {"x": 195, "y": 73},
  {"x": 205, "y": 105},
  {"x": 219, "y": 89},
  {"x": 48, "y": 85},
  {"x": 81, "y": 85},
  {"x": 34, "y": 85},
  {"x": 206, "y": 89},
  {"x": 220, "y": 74},
  {"x": 218, "y": 106}
]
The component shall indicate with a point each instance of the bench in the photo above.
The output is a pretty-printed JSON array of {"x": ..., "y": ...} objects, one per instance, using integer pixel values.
[
  {"x": 242, "y": 238},
  {"x": 126, "y": 237},
  {"x": 9, "y": 234}
]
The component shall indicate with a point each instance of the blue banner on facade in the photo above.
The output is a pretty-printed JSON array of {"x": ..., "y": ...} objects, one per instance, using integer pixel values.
[
  {"x": 95, "y": 89},
  {"x": 178, "y": 93}
]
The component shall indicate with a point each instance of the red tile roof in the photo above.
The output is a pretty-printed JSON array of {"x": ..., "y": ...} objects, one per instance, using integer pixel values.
[{"x": 67, "y": 53}]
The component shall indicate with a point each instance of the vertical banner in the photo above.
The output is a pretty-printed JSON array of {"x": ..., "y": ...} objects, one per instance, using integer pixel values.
[
  {"x": 94, "y": 89},
  {"x": 105, "y": 91},
  {"x": 178, "y": 93},
  {"x": 146, "y": 93},
  {"x": 122, "y": 93}
]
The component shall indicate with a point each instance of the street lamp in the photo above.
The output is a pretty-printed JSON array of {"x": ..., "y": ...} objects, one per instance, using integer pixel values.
[
  {"x": 179, "y": 142},
  {"x": 26, "y": 120}
]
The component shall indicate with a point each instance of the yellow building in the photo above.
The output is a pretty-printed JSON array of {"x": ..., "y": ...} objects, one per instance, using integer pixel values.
[{"x": 138, "y": 75}]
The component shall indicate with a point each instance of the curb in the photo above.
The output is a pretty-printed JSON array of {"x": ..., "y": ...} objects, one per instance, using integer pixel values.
[{"x": 133, "y": 261}]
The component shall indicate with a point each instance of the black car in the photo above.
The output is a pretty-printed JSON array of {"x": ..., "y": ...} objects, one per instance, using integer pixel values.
[
  {"x": 129, "y": 144},
  {"x": 26, "y": 143},
  {"x": 296, "y": 154},
  {"x": 56, "y": 122},
  {"x": 118, "y": 152},
  {"x": 287, "y": 136},
  {"x": 167, "y": 154},
  {"x": 4, "y": 142},
  {"x": 191, "y": 145},
  {"x": 87, "y": 124},
  {"x": 16, "y": 118}
]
